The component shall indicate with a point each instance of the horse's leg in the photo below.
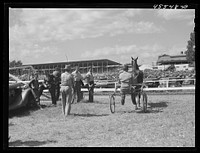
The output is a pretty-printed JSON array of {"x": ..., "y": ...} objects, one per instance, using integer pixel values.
[
  {"x": 137, "y": 99},
  {"x": 133, "y": 99}
]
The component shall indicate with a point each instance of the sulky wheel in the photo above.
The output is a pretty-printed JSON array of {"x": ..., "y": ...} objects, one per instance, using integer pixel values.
[
  {"x": 144, "y": 101},
  {"x": 112, "y": 103}
]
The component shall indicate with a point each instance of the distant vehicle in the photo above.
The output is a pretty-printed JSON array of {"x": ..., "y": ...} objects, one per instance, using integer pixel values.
[{"x": 20, "y": 94}]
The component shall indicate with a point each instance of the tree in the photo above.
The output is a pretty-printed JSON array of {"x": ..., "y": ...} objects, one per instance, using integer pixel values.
[
  {"x": 15, "y": 63},
  {"x": 190, "y": 53}
]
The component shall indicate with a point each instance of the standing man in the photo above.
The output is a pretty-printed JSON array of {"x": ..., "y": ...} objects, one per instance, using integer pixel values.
[
  {"x": 67, "y": 87},
  {"x": 125, "y": 79},
  {"x": 34, "y": 85},
  {"x": 90, "y": 84},
  {"x": 77, "y": 83},
  {"x": 52, "y": 88},
  {"x": 56, "y": 75}
]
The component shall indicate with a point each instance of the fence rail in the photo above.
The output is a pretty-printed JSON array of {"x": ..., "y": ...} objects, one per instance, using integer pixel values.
[{"x": 145, "y": 89}]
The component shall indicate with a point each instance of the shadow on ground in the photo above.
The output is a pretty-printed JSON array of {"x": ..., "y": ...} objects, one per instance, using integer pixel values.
[
  {"x": 151, "y": 108},
  {"x": 29, "y": 143},
  {"x": 94, "y": 102},
  {"x": 23, "y": 111},
  {"x": 161, "y": 104},
  {"x": 155, "y": 107},
  {"x": 90, "y": 115}
]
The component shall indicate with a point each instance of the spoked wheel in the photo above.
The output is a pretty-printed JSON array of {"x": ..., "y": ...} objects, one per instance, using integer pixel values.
[
  {"x": 144, "y": 101},
  {"x": 112, "y": 103}
]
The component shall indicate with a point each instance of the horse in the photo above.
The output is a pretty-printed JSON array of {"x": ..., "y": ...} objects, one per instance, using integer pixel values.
[{"x": 138, "y": 79}]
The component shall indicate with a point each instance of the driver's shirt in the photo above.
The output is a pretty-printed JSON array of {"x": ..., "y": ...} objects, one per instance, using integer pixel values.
[{"x": 125, "y": 79}]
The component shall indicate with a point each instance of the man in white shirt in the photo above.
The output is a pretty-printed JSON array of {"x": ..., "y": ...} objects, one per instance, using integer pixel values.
[{"x": 67, "y": 86}]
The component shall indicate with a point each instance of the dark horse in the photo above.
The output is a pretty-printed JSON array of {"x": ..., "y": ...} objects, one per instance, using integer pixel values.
[{"x": 138, "y": 79}]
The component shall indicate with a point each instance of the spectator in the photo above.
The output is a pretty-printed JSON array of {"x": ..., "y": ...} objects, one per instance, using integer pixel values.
[
  {"x": 56, "y": 75},
  {"x": 77, "y": 83},
  {"x": 67, "y": 87},
  {"x": 52, "y": 88},
  {"x": 90, "y": 84},
  {"x": 34, "y": 85}
]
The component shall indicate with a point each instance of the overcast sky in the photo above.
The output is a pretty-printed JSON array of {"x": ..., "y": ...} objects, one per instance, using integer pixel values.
[{"x": 55, "y": 35}]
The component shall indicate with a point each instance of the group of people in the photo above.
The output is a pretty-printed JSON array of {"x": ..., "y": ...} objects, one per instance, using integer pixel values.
[{"x": 68, "y": 83}]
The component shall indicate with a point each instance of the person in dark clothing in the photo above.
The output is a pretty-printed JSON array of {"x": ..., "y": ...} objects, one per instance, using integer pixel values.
[
  {"x": 90, "y": 84},
  {"x": 34, "y": 85},
  {"x": 52, "y": 88},
  {"x": 77, "y": 83},
  {"x": 43, "y": 85},
  {"x": 57, "y": 75}
]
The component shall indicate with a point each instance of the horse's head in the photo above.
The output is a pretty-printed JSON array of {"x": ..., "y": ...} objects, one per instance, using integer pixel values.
[{"x": 134, "y": 63}]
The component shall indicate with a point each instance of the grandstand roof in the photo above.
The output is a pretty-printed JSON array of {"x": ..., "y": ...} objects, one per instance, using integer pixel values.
[
  {"x": 110, "y": 62},
  {"x": 170, "y": 59}
]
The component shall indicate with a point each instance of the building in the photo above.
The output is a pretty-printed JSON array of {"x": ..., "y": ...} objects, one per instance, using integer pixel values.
[
  {"x": 160, "y": 67},
  {"x": 98, "y": 66},
  {"x": 169, "y": 60},
  {"x": 183, "y": 67},
  {"x": 143, "y": 67}
]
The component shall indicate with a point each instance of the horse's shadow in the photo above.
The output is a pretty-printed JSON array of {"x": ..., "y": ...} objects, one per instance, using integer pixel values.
[
  {"x": 89, "y": 102},
  {"x": 29, "y": 143},
  {"x": 161, "y": 104},
  {"x": 23, "y": 111},
  {"x": 90, "y": 115},
  {"x": 153, "y": 108}
]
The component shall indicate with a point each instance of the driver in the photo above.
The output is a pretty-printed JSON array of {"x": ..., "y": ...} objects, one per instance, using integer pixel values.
[{"x": 126, "y": 80}]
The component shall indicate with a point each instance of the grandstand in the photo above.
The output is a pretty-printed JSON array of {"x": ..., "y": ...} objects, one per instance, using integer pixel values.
[
  {"x": 168, "y": 60},
  {"x": 99, "y": 66}
]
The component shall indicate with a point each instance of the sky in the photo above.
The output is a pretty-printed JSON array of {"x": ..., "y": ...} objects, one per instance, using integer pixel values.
[{"x": 45, "y": 35}]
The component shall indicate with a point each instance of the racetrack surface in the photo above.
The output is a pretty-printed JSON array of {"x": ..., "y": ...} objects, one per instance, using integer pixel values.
[{"x": 169, "y": 122}]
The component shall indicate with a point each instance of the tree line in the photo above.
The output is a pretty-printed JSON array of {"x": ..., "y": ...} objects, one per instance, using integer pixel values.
[{"x": 15, "y": 63}]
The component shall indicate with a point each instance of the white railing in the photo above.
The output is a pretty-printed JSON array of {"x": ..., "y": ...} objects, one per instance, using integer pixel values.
[
  {"x": 166, "y": 82},
  {"x": 145, "y": 89}
]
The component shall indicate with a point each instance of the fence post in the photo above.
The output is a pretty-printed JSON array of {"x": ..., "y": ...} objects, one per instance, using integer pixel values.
[{"x": 167, "y": 83}]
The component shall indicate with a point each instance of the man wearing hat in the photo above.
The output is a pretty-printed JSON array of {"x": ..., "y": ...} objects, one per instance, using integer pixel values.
[
  {"x": 126, "y": 79},
  {"x": 34, "y": 85},
  {"x": 77, "y": 83},
  {"x": 52, "y": 88},
  {"x": 90, "y": 84},
  {"x": 67, "y": 87},
  {"x": 56, "y": 75}
]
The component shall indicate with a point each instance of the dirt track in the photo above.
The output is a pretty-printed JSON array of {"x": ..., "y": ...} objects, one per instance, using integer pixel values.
[{"x": 169, "y": 122}]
